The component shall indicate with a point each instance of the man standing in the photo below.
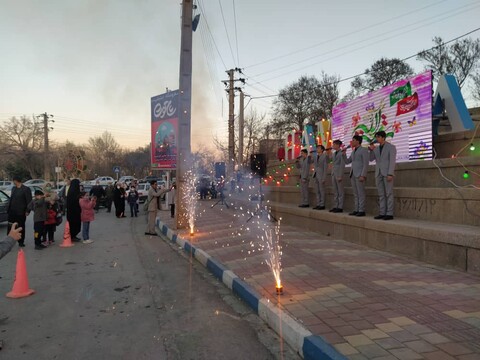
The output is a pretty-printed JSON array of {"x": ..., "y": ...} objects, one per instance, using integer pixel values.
[
  {"x": 385, "y": 156},
  {"x": 17, "y": 211},
  {"x": 303, "y": 163},
  {"x": 320, "y": 166},
  {"x": 337, "y": 175},
  {"x": 153, "y": 199},
  {"x": 358, "y": 174},
  {"x": 97, "y": 191}
]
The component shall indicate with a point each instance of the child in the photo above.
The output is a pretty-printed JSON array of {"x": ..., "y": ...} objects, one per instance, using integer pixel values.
[
  {"x": 39, "y": 207},
  {"x": 51, "y": 222},
  {"x": 88, "y": 215},
  {"x": 132, "y": 201}
]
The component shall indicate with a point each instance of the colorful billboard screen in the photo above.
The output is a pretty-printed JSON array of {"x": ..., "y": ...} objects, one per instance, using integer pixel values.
[
  {"x": 403, "y": 110},
  {"x": 164, "y": 130}
]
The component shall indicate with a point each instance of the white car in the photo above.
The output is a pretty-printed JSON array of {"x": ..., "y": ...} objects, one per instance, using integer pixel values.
[
  {"x": 126, "y": 179},
  {"x": 103, "y": 180},
  {"x": 6, "y": 185},
  {"x": 37, "y": 182}
]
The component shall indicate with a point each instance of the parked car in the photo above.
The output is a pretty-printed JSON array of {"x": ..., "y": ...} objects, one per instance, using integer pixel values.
[
  {"x": 103, "y": 180},
  {"x": 142, "y": 189},
  {"x": 38, "y": 182},
  {"x": 33, "y": 188},
  {"x": 6, "y": 185},
  {"x": 126, "y": 179},
  {"x": 4, "y": 201}
]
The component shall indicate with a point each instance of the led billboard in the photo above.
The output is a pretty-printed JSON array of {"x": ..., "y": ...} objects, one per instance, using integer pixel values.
[{"x": 403, "y": 110}]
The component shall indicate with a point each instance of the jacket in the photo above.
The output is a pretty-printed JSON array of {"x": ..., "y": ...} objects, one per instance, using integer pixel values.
[
  {"x": 304, "y": 166},
  {"x": 39, "y": 207},
  {"x": 338, "y": 164},
  {"x": 6, "y": 245},
  {"x": 154, "y": 198},
  {"x": 359, "y": 160},
  {"x": 20, "y": 198},
  {"x": 132, "y": 197},
  {"x": 320, "y": 166},
  {"x": 87, "y": 206},
  {"x": 385, "y": 162},
  {"x": 52, "y": 211}
]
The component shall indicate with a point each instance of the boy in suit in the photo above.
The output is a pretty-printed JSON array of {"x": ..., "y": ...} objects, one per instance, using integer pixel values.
[
  {"x": 385, "y": 156},
  {"x": 320, "y": 166},
  {"x": 358, "y": 174},
  {"x": 337, "y": 175}
]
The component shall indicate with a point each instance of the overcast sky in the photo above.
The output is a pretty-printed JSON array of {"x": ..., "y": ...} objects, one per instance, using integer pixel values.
[{"x": 95, "y": 64}]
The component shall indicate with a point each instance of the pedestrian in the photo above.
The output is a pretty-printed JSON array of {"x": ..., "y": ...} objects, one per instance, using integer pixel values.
[
  {"x": 74, "y": 211},
  {"x": 385, "y": 156},
  {"x": 39, "y": 207},
  {"x": 51, "y": 222},
  {"x": 87, "y": 204},
  {"x": 319, "y": 176},
  {"x": 337, "y": 176},
  {"x": 171, "y": 199},
  {"x": 17, "y": 211},
  {"x": 153, "y": 205},
  {"x": 62, "y": 201},
  {"x": 119, "y": 200},
  {"x": 109, "y": 196},
  {"x": 303, "y": 163},
  {"x": 14, "y": 235},
  {"x": 132, "y": 200},
  {"x": 358, "y": 174},
  {"x": 98, "y": 191}
]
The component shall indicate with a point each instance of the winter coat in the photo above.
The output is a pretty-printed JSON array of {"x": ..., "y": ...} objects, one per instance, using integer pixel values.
[
  {"x": 87, "y": 206},
  {"x": 39, "y": 207}
]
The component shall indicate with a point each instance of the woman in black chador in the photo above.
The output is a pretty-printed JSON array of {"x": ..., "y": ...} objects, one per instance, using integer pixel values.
[
  {"x": 73, "y": 209},
  {"x": 119, "y": 200}
]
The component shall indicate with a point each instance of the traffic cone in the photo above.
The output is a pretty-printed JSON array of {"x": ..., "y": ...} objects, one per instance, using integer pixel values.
[
  {"x": 20, "y": 285},
  {"x": 67, "y": 239}
]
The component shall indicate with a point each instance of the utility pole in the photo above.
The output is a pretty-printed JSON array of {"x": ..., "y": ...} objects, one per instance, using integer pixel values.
[
  {"x": 231, "y": 115},
  {"x": 241, "y": 122},
  {"x": 184, "y": 118},
  {"x": 46, "y": 151}
]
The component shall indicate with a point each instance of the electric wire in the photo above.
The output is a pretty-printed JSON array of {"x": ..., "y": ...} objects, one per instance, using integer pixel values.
[
  {"x": 404, "y": 59},
  {"x": 226, "y": 32},
  {"x": 236, "y": 32},
  {"x": 436, "y": 3}
]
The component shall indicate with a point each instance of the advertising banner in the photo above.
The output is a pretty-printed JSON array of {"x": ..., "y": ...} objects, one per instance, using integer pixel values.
[
  {"x": 164, "y": 130},
  {"x": 403, "y": 110}
]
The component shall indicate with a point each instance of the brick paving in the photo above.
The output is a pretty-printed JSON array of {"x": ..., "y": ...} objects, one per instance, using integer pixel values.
[{"x": 367, "y": 303}]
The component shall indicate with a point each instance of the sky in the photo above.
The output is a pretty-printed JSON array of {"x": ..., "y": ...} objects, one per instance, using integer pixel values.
[{"x": 95, "y": 64}]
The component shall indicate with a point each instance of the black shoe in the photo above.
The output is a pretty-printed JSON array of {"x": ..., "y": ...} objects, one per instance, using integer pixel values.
[
  {"x": 303, "y": 206},
  {"x": 353, "y": 213},
  {"x": 338, "y": 210},
  {"x": 21, "y": 244},
  {"x": 76, "y": 239},
  {"x": 151, "y": 234},
  {"x": 379, "y": 217},
  {"x": 360, "y": 213},
  {"x": 321, "y": 207},
  {"x": 39, "y": 247},
  {"x": 333, "y": 210},
  {"x": 388, "y": 217}
]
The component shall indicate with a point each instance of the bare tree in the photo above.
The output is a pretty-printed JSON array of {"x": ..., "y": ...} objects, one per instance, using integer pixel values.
[
  {"x": 382, "y": 73},
  {"x": 23, "y": 139},
  {"x": 104, "y": 153},
  {"x": 476, "y": 86},
  {"x": 461, "y": 58},
  {"x": 305, "y": 102}
]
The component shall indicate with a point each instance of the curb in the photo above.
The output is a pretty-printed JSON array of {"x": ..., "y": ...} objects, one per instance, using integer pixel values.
[{"x": 308, "y": 345}]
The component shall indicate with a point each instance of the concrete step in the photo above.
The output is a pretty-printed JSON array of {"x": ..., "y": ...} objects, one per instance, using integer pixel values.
[{"x": 438, "y": 205}]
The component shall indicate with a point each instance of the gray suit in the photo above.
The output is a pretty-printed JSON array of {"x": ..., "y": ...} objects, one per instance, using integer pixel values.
[
  {"x": 384, "y": 166},
  {"x": 304, "y": 166},
  {"x": 320, "y": 166},
  {"x": 337, "y": 175},
  {"x": 359, "y": 160}
]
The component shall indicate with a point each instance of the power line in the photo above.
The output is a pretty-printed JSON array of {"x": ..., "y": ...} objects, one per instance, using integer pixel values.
[
  {"x": 404, "y": 59},
  {"x": 226, "y": 32},
  {"x": 236, "y": 32},
  {"x": 375, "y": 38},
  {"x": 436, "y": 3}
]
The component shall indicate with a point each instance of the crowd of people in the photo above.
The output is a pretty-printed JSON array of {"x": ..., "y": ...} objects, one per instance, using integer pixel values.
[
  {"x": 78, "y": 207},
  {"x": 384, "y": 156}
]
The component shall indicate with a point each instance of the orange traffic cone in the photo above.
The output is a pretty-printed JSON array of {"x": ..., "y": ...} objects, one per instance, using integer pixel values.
[
  {"x": 67, "y": 239},
  {"x": 20, "y": 285}
]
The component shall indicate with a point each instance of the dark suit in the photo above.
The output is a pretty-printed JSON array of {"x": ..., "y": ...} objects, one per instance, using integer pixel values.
[{"x": 385, "y": 160}]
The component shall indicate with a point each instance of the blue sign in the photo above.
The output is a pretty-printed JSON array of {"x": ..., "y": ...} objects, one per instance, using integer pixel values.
[{"x": 116, "y": 169}]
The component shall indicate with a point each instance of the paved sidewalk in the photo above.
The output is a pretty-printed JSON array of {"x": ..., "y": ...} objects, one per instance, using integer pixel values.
[{"x": 366, "y": 303}]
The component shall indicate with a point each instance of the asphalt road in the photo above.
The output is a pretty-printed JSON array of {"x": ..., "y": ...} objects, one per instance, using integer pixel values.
[{"x": 126, "y": 296}]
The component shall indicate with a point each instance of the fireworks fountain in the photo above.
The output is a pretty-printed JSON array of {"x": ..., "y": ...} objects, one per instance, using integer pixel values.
[
  {"x": 271, "y": 243},
  {"x": 190, "y": 199}
]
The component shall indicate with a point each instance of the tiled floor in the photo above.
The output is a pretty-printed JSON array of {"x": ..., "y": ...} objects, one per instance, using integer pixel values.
[{"x": 366, "y": 303}]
